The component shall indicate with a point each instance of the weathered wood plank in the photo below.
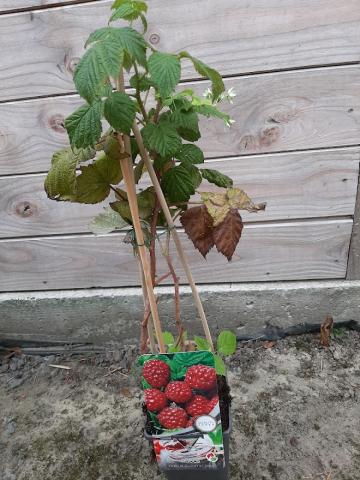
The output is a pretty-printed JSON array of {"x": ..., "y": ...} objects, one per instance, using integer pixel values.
[
  {"x": 12, "y": 5},
  {"x": 40, "y": 49},
  {"x": 282, "y": 251},
  {"x": 297, "y": 185},
  {"x": 353, "y": 272},
  {"x": 273, "y": 112}
]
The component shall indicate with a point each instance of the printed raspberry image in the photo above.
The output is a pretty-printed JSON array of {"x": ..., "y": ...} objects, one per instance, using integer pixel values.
[
  {"x": 201, "y": 377},
  {"x": 213, "y": 402},
  {"x": 178, "y": 392},
  {"x": 155, "y": 400},
  {"x": 156, "y": 373},
  {"x": 173, "y": 417},
  {"x": 198, "y": 405}
]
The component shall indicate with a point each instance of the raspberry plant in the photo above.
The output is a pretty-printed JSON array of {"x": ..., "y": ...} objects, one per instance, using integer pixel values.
[{"x": 155, "y": 118}]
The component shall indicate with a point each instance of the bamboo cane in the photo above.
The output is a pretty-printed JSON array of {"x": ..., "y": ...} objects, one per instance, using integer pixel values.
[
  {"x": 145, "y": 156},
  {"x": 129, "y": 180},
  {"x": 127, "y": 171},
  {"x": 150, "y": 324}
]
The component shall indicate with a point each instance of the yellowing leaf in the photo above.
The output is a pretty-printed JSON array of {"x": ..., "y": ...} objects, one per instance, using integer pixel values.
[{"x": 217, "y": 205}]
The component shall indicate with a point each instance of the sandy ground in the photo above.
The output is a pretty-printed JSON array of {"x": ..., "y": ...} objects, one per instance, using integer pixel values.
[{"x": 296, "y": 414}]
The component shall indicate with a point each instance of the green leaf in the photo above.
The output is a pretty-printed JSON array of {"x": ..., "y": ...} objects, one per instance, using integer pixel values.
[
  {"x": 165, "y": 71},
  {"x": 123, "y": 209},
  {"x": 84, "y": 125},
  {"x": 186, "y": 123},
  {"x": 101, "y": 62},
  {"x": 125, "y": 37},
  {"x": 146, "y": 203},
  {"x": 218, "y": 178},
  {"x": 60, "y": 182},
  {"x": 226, "y": 343},
  {"x": 141, "y": 83},
  {"x": 211, "y": 111},
  {"x": 220, "y": 366},
  {"x": 107, "y": 222},
  {"x": 168, "y": 338},
  {"x": 119, "y": 111},
  {"x": 201, "y": 343},
  {"x": 180, "y": 182},
  {"x": 162, "y": 138},
  {"x": 93, "y": 184},
  {"x": 190, "y": 153},
  {"x": 129, "y": 10},
  {"x": 204, "y": 70}
]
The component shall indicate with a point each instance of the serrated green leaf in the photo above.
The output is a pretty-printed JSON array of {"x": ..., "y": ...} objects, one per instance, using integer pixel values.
[
  {"x": 218, "y": 178},
  {"x": 226, "y": 343},
  {"x": 162, "y": 137},
  {"x": 211, "y": 111},
  {"x": 107, "y": 222},
  {"x": 180, "y": 182},
  {"x": 99, "y": 63},
  {"x": 168, "y": 338},
  {"x": 220, "y": 366},
  {"x": 119, "y": 111},
  {"x": 201, "y": 343},
  {"x": 141, "y": 83},
  {"x": 186, "y": 123},
  {"x": 129, "y": 10},
  {"x": 204, "y": 70},
  {"x": 93, "y": 184},
  {"x": 190, "y": 153},
  {"x": 125, "y": 37},
  {"x": 146, "y": 203},
  {"x": 60, "y": 182},
  {"x": 123, "y": 209},
  {"x": 84, "y": 125},
  {"x": 165, "y": 71}
]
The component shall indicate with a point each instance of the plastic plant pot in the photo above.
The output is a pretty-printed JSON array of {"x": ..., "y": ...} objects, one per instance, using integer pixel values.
[{"x": 199, "y": 473}]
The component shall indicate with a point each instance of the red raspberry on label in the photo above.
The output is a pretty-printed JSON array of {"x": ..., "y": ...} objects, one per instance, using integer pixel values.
[
  {"x": 155, "y": 400},
  {"x": 213, "y": 402},
  {"x": 197, "y": 406},
  {"x": 156, "y": 373},
  {"x": 178, "y": 392},
  {"x": 173, "y": 417},
  {"x": 190, "y": 422},
  {"x": 201, "y": 377}
]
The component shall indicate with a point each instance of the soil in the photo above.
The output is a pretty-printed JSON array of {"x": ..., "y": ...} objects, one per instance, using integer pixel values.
[{"x": 295, "y": 414}]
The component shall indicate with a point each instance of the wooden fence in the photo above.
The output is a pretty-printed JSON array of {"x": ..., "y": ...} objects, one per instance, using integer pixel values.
[{"x": 295, "y": 144}]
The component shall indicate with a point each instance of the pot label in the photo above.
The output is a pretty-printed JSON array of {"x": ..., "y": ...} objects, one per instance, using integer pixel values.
[{"x": 182, "y": 409}]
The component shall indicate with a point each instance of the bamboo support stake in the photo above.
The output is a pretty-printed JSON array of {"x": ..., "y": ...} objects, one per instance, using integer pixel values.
[
  {"x": 127, "y": 171},
  {"x": 145, "y": 156},
  {"x": 129, "y": 180},
  {"x": 150, "y": 324}
]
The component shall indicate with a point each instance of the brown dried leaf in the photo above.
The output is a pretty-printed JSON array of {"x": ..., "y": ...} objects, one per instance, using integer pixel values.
[
  {"x": 325, "y": 331},
  {"x": 198, "y": 225},
  {"x": 228, "y": 233},
  {"x": 217, "y": 205},
  {"x": 269, "y": 344}
]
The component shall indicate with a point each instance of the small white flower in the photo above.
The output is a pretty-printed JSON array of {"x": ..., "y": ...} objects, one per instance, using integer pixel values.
[
  {"x": 208, "y": 94},
  {"x": 229, "y": 122}
]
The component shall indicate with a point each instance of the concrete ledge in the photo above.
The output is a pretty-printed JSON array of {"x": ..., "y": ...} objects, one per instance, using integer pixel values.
[{"x": 103, "y": 315}]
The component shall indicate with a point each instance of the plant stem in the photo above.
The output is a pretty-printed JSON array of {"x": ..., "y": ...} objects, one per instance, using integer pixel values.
[
  {"x": 169, "y": 220},
  {"x": 128, "y": 173},
  {"x": 166, "y": 253},
  {"x": 154, "y": 219},
  {"x": 138, "y": 95}
]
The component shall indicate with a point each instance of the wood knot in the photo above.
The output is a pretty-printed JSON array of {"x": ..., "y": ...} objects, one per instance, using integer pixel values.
[
  {"x": 57, "y": 123},
  {"x": 25, "y": 209},
  {"x": 154, "y": 38},
  {"x": 269, "y": 136}
]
